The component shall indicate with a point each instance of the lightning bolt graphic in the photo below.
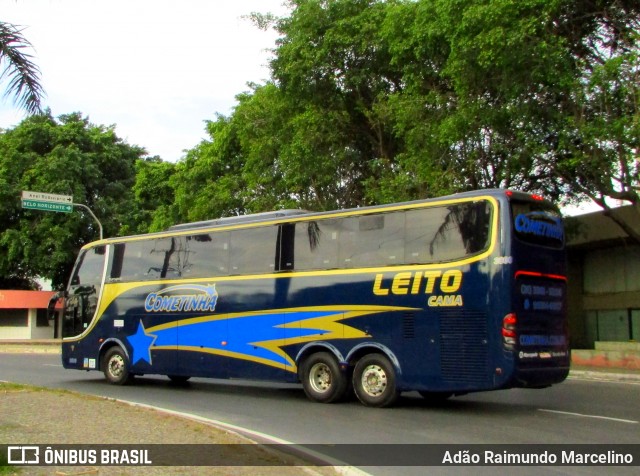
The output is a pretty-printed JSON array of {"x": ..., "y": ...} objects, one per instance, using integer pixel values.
[{"x": 258, "y": 336}]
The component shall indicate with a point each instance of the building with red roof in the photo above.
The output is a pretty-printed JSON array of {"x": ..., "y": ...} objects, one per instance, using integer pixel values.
[{"x": 23, "y": 315}]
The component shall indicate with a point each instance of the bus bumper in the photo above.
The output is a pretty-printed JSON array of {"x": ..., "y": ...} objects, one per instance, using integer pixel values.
[{"x": 540, "y": 377}]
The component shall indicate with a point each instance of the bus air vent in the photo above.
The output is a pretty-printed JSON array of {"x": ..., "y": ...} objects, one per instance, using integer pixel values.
[
  {"x": 408, "y": 325},
  {"x": 464, "y": 353}
]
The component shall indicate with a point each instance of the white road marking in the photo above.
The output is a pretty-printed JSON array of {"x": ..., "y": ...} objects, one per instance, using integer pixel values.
[
  {"x": 621, "y": 420},
  {"x": 339, "y": 466}
]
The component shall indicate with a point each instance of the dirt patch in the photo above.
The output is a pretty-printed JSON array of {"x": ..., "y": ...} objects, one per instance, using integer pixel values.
[{"x": 30, "y": 415}]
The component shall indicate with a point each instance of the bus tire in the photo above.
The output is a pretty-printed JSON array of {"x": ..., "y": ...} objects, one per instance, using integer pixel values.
[
  {"x": 322, "y": 379},
  {"x": 115, "y": 366},
  {"x": 374, "y": 381}
]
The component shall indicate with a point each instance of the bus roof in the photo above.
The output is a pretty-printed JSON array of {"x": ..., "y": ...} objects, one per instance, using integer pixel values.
[
  {"x": 279, "y": 215},
  {"x": 236, "y": 220}
]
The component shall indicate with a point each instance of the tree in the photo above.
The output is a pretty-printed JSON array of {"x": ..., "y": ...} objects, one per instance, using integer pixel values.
[
  {"x": 334, "y": 68},
  {"x": 534, "y": 94},
  {"x": 22, "y": 74},
  {"x": 376, "y": 101},
  {"x": 597, "y": 151},
  {"x": 153, "y": 196},
  {"x": 67, "y": 156},
  {"x": 208, "y": 181}
]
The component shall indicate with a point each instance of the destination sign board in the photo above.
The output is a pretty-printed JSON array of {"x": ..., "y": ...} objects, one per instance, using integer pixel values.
[
  {"x": 46, "y": 197},
  {"x": 47, "y": 206}
]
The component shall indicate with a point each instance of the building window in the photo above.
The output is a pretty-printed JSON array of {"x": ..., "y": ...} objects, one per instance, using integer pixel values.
[
  {"x": 14, "y": 317},
  {"x": 42, "y": 318}
]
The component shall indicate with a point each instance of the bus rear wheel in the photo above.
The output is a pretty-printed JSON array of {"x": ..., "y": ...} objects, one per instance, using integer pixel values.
[
  {"x": 115, "y": 366},
  {"x": 374, "y": 381},
  {"x": 322, "y": 379}
]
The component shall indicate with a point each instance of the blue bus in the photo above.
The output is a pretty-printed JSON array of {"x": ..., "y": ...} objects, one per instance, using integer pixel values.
[{"x": 446, "y": 296}]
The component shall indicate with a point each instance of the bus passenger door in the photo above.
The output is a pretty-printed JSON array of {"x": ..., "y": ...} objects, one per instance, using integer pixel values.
[{"x": 82, "y": 296}]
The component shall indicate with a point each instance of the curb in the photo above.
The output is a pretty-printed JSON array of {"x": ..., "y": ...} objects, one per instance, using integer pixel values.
[{"x": 605, "y": 376}]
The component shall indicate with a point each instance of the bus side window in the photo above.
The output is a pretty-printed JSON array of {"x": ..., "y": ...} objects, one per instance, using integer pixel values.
[
  {"x": 253, "y": 250},
  {"x": 115, "y": 267},
  {"x": 146, "y": 260},
  {"x": 284, "y": 252},
  {"x": 206, "y": 255},
  {"x": 442, "y": 234},
  {"x": 90, "y": 268},
  {"x": 316, "y": 244},
  {"x": 371, "y": 240}
]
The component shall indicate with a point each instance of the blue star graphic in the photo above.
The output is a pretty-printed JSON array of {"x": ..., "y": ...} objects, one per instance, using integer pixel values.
[{"x": 141, "y": 343}]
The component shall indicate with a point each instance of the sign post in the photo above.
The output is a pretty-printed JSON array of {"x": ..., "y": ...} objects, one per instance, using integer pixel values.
[{"x": 51, "y": 202}]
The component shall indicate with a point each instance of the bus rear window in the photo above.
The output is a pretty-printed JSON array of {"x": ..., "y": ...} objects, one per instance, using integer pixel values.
[{"x": 538, "y": 223}]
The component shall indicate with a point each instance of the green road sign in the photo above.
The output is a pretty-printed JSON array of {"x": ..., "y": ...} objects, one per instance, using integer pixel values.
[{"x": 47, "y": 206}]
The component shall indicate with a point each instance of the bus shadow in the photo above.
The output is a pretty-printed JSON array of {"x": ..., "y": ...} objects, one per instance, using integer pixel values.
[
  {"x": 483, "y": 403},
  {"x": 236, "y": 388}
]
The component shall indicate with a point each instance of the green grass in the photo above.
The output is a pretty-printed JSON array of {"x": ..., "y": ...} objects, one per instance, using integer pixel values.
[
  {"x": 5, "y": 468},
  {"x": 12, "y": 387}
]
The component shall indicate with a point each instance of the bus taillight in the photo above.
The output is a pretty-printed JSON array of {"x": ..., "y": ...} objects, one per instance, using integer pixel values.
[{"x": 509, "y": 331}]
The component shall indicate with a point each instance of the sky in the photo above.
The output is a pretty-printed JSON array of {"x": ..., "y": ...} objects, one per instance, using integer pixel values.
[{"x": 156, "y": 69}]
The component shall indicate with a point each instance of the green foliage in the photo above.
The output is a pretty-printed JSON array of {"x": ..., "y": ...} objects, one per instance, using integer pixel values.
[
  {"x": 208, "y": 182},
  {"x": 68, "y": 156},
  {"x": 153, "y": 196},
  {"x": 381, "y": 101}
]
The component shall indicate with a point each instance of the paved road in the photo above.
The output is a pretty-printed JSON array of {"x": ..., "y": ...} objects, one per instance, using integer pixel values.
[{"x": 576, "y": 412}]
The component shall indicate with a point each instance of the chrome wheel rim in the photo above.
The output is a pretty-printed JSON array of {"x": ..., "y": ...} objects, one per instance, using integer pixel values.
[
  {"x": 374, "y": 380},
  {"x": 116, "y": 366},
  {"x": 320, "y": 377}
]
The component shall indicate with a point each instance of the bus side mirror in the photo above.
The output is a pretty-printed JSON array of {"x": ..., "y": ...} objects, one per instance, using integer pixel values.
[{"x": 51, "y": 308}]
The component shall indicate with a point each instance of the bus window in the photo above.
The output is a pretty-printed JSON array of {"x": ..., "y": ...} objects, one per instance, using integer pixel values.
[
  {"x": 89, "y": 270},
  {"x": 206, "y": 255},
  {"x": 285, "y": 259},
  {"x": 146, "y": 260},
  {"x": 348, "y": 242},
  {"x": 115, "y": 267},
  {"x": 447, "y": 233},
  {"x": 253, "y": 250},
  {"x": 372, "y": 240},
  {"x": 316, "y": 244},
  {"x": 382, "y": 238}
]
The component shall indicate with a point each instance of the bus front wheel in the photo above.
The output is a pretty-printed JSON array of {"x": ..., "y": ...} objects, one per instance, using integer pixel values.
[
  {"x": 115, "y": 366},
  {"x": 374, "y": 381},
  {"x": 322, "y": 379}
]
